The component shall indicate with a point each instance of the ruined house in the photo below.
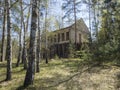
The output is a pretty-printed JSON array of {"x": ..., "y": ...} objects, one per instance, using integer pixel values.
[{"x": 59, "y": 40}]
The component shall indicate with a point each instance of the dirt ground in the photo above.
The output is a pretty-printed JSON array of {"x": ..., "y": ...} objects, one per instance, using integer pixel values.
[
  {"x": 96, "y": 78},
  {"x": 65, "y": 75}
]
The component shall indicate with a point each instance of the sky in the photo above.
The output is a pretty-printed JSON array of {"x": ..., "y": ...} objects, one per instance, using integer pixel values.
[{"x": 58, "y": 12}]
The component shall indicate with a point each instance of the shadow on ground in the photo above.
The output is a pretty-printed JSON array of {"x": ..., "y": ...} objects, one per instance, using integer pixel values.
[{"x": 69, "y": 75}]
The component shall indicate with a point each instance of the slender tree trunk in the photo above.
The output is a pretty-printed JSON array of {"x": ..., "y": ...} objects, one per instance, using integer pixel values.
[
  {"x": 24, "y": 51},
  {"x": 90, "y": 21},
  {"x": 3, "y": 36},
  {"x": 20, "y": 35},
  {"x": 9, "y": 47},
  {"x": 24, "y": 59},
  {"x": 75, "y": 28},
  {"x": 29, "y": 78},
  {"x": 95, "y": 22},
  {"x": 28, "y": 19},
  {"x": 38, "y": 52},
  {"x": 97, "y": 26},
  {"x": 46, "y": 52},
  {"x": 38, "y": 43}
]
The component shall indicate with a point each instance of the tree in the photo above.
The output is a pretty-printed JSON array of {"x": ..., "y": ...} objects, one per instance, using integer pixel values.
[
  {"x": 45, "y": 7},
  {"x": 75, "y": 28},
  {"x": 108, "y": 33},
  {"x": 29, "y": 78},
  {"x": 38, "y": 42},
  {"x": 9, "y": 47},
  {"x": 24, "y": 54},
  {"x": 89, "y": 1},
  {"x": 2, "y": 57},
  {"x": 46, "y": 47},
  {"x": 24, "y": 51},
  {"x": 20, "y": 35},
  {"x": 71, "y": 7}
]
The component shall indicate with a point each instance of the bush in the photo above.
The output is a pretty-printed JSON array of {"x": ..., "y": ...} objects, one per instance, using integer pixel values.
[
  {"x": 56, "y": 57},
  {"x": 71, "y": 51}
]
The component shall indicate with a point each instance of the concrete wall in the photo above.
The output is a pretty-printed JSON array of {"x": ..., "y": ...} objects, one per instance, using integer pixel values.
[{"x": 61, "y": 47}]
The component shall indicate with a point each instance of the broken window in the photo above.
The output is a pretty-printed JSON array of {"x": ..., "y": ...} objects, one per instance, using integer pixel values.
[
  {"x": 67, "y": 35},
  {"x": 79, "y": 38},
  {"x": 63, "y": 37},
  {"x": 55, "y": 38},
  {"x": 58, "y": 37}
]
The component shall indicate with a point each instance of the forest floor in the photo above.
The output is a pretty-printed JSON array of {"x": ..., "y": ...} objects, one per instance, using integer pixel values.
[{"x": 65, "y": 74}]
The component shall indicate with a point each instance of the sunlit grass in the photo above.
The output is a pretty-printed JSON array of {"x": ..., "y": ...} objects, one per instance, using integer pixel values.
[
  {"x": 63, "y": 74},
  {"x": 50, "y": 74}
]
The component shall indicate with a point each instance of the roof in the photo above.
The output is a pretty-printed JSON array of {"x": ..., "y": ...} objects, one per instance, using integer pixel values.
[{"x": 80, "y": 23}]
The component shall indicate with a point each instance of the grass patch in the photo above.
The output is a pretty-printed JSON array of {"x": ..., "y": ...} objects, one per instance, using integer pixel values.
[
  {"x": 64, "y": 74},
  {"x": 50, "y": 75}
]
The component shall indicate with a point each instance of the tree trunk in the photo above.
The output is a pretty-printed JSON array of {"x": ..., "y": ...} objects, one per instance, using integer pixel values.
[
  {"x": 24, "y": 51},
  {"x": 3, "y": 36},
  {"x": 38, "y": 44},
  {"x": 95, "y": 22},
  {"x": 20, "y": 33},
  {"x": 38, "y": 52},
  {"x": 29, "y": 78},
  {"x": 75, "y": 28},
  {"x": 8, "y": 50},
  {"x": 46, "y": 52},
  {"x": 90, "y": 21}
]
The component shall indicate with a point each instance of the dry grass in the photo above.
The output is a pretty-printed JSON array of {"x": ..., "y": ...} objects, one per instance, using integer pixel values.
[{"x": 64, "y": 74}]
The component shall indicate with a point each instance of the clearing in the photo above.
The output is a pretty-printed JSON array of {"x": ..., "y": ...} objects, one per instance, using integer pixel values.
[{"x": 65, "y": 74}]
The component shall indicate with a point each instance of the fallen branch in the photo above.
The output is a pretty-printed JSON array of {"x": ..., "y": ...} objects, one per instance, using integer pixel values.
[{"x": 71, "y": 77}]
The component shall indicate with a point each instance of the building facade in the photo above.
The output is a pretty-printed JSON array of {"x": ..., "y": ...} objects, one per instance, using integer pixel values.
[{"x": 60, "y": 40}]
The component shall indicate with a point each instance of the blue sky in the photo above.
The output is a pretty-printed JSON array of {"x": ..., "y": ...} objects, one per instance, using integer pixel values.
[{"x": 57, "y": 11}]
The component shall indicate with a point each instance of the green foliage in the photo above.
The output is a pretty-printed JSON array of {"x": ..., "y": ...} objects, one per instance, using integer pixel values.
[
  {"x": 56, "y": 57},
  {"x": 16, "y": 28},
  {"x": 79, "y": 54},
  {"x": 15, "y": 48},
  {"x": 50, "y": 75},
  {"x": 71, "y": 50},
  {"x": 86, "y": 55},
  {"x": 106, "y": 47}
]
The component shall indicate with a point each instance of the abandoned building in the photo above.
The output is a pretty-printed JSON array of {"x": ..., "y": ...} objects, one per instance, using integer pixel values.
[{"x": 59, "y": 40}]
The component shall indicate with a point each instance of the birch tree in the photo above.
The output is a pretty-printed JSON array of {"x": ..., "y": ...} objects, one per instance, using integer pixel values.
[
  {"x": 20, "y": 37},
  {"x": 9, "y": 47},
  {"x": 3, "y": 35},
  {"x": 29, "y": 78}
]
